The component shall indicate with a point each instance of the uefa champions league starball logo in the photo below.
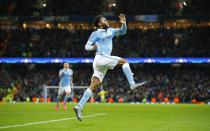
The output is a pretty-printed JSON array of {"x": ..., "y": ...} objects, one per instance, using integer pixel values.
[
  {"x": 149, "y": 60},
  {"x": 26, "y": 60},
  {"x": 87, "y": 61},
  {"x": 56, "y": 60},
  {"x": 181, "y": 60}
]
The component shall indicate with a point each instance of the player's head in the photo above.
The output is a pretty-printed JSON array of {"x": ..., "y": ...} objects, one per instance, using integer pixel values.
[
  {"x": 101, "y": 22},
  {"x": 66, "y": 65}
]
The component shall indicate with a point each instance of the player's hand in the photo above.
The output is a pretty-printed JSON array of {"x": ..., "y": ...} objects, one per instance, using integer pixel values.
[
  {"x": 95, "y": 47},
  {"x": 122, "y": 18}
]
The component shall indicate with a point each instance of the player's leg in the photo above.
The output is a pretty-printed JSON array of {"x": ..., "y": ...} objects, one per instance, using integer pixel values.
[
  {"x": 60, "y": 92},
  {"x": 97, "y": 78},
  {"x": 95, "y": 82},
  {"x": 112, "y": 61},
  {"x": 127, "y": 71},
  {"x": 67, "y": 92},
  {"x": 57, "y": 101},
  {"x": 129, "y": 74}
]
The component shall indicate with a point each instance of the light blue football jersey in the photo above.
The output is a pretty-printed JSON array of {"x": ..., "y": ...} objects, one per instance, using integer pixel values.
[
  {"x": 65, "y": 77},
  {"x": 103, "y": 39}
]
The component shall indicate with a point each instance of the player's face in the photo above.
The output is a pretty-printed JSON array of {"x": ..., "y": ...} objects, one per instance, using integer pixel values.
[
  {"x": 66, "y": 65},
  {"x": 104, "y": 22}
]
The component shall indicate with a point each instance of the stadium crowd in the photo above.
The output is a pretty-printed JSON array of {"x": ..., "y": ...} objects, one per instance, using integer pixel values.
[
  {"x": 190, "y": 42},
  {"x": 93, "y": 7},
  {"x": 162, "y": 7},
  {"x": 185, "y": 83}
]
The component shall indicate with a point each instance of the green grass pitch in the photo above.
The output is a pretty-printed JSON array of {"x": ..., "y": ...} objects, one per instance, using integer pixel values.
[{"x": 105, "y": 117}]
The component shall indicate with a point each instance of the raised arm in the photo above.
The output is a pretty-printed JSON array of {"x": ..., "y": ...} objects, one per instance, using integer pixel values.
[{"x": 123, "y": 29}]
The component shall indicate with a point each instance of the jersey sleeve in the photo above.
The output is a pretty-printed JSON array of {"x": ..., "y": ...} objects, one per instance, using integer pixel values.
[
  {"x": 60, "y": 73},
  {"x": 120, "y": 31},
  {"x": 92, "y": 39},
  {"x": 72, "y": 72}
]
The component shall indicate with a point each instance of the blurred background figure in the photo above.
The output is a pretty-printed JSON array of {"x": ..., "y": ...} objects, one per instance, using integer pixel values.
[{"x": 102, "y": 94}]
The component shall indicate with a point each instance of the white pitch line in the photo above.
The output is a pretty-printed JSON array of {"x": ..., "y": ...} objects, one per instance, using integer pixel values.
[{"x": 49, "y": 121}]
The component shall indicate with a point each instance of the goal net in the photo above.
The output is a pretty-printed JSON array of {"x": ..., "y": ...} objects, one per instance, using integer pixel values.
[{"x": 46, "y": 90}]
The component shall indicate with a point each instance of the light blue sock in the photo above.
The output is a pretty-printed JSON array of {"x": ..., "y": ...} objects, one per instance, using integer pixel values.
[
  {"x": 58, "y": 100},
  {"x": 65, "y": 99},
  {"x": 87, "y": 94},
  {"x": 128, "y": 73}
]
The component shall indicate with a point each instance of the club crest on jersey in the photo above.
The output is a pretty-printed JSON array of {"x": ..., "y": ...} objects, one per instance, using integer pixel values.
[{"x": 109, "y": 32}]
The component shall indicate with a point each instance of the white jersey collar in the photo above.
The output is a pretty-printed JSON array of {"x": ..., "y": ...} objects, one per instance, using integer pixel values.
[{"x": 101, "y": 30}]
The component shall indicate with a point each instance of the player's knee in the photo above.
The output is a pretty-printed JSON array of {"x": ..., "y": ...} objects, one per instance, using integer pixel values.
[
  {"x": 125, "y": 61},
  {"x": 68, "y": 93},
  {"x": 94, "y": 86},
  {"x": 122, "y": 61},
  {"x": 95, "y": 83}
]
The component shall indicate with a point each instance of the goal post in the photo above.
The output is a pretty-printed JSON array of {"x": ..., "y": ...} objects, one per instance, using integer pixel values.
[{"x": 46, "y": 88}]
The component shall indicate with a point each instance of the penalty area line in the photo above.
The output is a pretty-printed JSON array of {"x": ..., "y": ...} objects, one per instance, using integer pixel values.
[{"x": 49, "y": 121}]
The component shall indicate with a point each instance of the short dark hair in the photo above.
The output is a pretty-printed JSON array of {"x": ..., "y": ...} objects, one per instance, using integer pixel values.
[{"x": 97, "y": 20}]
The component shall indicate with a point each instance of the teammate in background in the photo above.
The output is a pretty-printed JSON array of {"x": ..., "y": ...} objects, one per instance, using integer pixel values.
[
  {"x": 101, "y": 41},
  {"x": 66, "y": 82}
]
